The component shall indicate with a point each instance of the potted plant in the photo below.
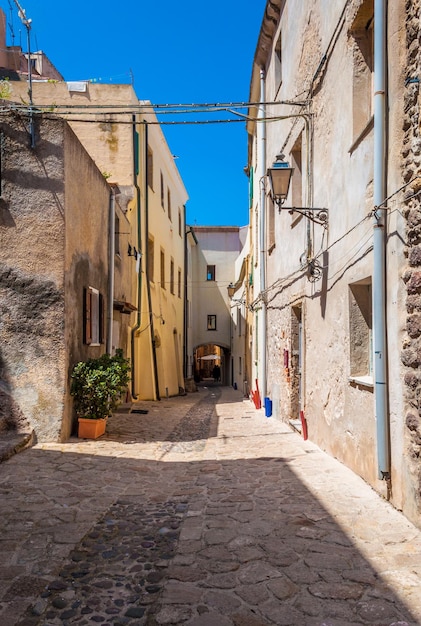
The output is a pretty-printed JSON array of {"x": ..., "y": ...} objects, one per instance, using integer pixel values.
[{"x": 97, "y": 386}]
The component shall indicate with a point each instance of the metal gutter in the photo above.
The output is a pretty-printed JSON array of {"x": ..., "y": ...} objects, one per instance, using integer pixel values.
[{"x": 379, "y": 243}]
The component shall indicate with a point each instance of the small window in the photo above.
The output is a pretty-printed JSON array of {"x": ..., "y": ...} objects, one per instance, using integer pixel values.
[
  {"x": 180, "y": 230},
  {"x": 172, "y": 289},
  {"x": 150, "y": 168},
  {"x": 239, "y": 321},
  {"x": 363, "y": 52},
  {"x": 117, "y": 235},
  {"x": 179, "y": 283},
  {"x": 278, "y": 61},
  {"x": 360, "y": 328},
  {"x": 297, "y": 179},
  {"x": 162, "y": 269},
  {"x": 211, "y": 322},
  {"x": 151, "y": 259},
  {"x": 93, "y": 321},
  {"x": 210, "y": 272},
  {"x": 169, "y": 204},
  {"x": 271, "y": 225},
  {"x": 162, "y": 192}
]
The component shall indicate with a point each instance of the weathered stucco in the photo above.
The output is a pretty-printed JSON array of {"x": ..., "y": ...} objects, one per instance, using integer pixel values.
[
  {"x": 49, "y": 196},
  {"x": 319, "y": 275}
]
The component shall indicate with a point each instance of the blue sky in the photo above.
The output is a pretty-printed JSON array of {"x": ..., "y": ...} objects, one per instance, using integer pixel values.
[{"x": 178, "y": 52}]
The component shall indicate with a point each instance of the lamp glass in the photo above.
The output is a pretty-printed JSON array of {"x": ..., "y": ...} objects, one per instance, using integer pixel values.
[{"x": 280, "y": 178}]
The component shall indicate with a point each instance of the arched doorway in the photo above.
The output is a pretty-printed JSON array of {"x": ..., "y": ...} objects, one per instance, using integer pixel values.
[{"x": 208, "y": 356}]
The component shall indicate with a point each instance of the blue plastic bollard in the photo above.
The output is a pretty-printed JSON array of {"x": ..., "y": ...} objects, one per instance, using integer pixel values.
[{"x": 268, "y": 407}]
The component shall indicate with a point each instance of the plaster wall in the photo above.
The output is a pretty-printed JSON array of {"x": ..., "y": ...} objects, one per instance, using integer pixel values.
[
  {"x": 311, "y": 267},
  {"x": 218, "y": 246},
  {"x": 239, "y": 309},
  {"x": 47, "y": 207},
  {"x": 163, "y": 314},
  {"x": 32, "y": 335},
  {"x": 109, "y": 139},
  {"x": 109, "y": 143},
  {"x": 86, "y": 260}
]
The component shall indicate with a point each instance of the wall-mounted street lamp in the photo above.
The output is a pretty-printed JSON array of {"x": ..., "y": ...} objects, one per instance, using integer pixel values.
[
  {"x": 231, "y": 290},
  {"x": 280, "y": 178}
]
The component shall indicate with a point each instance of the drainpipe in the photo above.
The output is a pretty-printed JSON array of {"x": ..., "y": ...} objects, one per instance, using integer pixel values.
[
  {"x": 111, "y": 272},
  {"x": 379, "y": 243},
  {"x": 139, "y": 248},
  {"x": 148, "y": 282},
  {"x": 186, "y": 347},
  {"x": 261, "y": 178}
]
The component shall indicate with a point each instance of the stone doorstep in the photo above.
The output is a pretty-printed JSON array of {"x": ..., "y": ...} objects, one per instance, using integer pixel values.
[
  {"x": 296, "y": 425},
  {"x": 12, "y": 442}
]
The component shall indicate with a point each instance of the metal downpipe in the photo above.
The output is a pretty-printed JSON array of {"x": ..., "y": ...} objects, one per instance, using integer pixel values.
[
  {"x": 262, "y": 242},
  {"x": 111, "y": 271},
  {"x": 139, "y": 276},
  {"x": 379, "y": 243},
  {"x": 147, "y": 270}
]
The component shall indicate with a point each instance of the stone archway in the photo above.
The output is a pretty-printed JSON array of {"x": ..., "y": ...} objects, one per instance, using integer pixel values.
[{"x": 206, "y": 356}]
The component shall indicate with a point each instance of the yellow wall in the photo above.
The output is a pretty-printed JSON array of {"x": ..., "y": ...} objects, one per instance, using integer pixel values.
[{"x": 162, "y": 315}]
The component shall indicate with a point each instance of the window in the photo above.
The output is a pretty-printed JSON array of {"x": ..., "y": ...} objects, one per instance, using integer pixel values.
[
  {"x": 278, "y": 62},
  {"x": 172, "y": 276},
  {"x": 210, "y": 272},
  {"x": 363, "y": 51},
  {"x": 162, "y": 269},
  {"x": 151, "y": 259},
  {"x": 180, "y": 228},
  {"x": 211, "y": 322},
  {"x": 150, "y": 168},
  {"x": 162, "y": 192},
  {"x": 179, "y": 283},
  {"x": 271, "y": 224},
  {"x": 360, "y": 329},
  {"x": 93, "y": 321},
  {"x": 239, "y": 321},
  {"x": 169, "y": 204},
  {"x": 297, "y": 178},
  {"x": 117, "y": 235}
]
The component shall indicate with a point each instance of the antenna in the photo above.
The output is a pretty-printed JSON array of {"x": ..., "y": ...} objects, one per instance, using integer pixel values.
[
  {"x": 27, "y": 23},
  {"x": 12, "y": 32}
]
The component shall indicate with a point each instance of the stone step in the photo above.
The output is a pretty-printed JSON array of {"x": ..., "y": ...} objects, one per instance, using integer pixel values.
[{"x": 12, "y": 442}]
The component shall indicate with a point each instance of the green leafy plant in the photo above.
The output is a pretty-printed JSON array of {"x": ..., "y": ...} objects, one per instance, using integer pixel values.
[{"x": 97, "y": 385}]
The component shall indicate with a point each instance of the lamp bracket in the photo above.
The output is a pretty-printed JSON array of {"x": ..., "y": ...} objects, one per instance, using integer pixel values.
[{"x": 315, "y": 214}]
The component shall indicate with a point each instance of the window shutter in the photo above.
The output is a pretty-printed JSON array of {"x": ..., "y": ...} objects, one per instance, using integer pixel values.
[
  {"x": 101, "y": 319},
  {"x": 87, "y": 308}
]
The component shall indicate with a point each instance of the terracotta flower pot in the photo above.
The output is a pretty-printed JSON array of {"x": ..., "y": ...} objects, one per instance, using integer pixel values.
[{"x": 91, "y": 428}]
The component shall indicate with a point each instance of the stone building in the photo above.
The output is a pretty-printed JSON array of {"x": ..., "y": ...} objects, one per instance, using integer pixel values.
[
  {"x": 123, "y": 137},
  {"x": 214, "y": 254},
  {"x": 53, "y": 268},
  {"x": 335, "y": 257},
  {"x": 411, "y": 153}
]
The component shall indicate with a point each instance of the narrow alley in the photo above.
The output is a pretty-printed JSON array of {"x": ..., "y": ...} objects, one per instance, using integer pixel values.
[{"x": 199, "y": 510}]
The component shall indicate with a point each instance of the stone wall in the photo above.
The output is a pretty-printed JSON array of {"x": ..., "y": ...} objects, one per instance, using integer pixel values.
[{"x": 411, "y": 352}]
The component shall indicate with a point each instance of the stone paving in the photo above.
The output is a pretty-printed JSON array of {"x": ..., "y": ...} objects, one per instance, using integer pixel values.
[{"x": 199, "y": 511}]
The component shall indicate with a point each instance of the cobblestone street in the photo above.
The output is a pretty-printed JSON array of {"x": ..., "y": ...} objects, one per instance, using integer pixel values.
[{"x": 199, "y": 510}]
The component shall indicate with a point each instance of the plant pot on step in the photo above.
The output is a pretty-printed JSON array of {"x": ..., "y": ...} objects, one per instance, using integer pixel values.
[
  {"x": 91, "y": 428},
  {"x": 97, "y": 387}
]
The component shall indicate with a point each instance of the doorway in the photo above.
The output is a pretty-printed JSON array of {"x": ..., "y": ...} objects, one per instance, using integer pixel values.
[{"x": 297, "y": 359}]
